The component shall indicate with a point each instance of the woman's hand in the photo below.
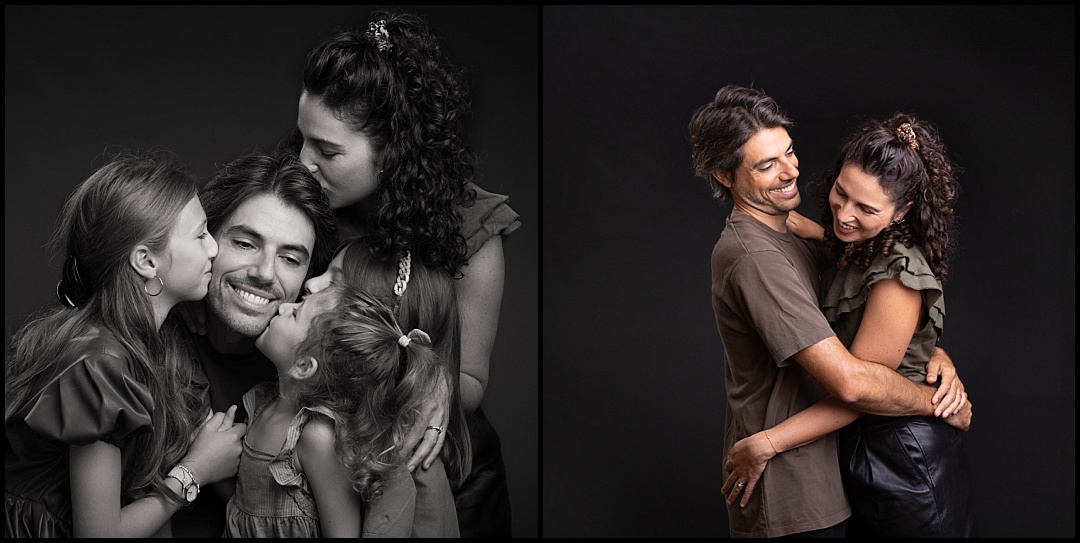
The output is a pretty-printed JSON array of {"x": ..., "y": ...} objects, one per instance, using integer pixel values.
[
  {"x": 804, "y": 228},
  {"x": 746, "y": 461},
  {"x": 427, "y": 440},
  {"x": 961, "y": 420},
  {"x": 194, "y": 316},
  {"x": 215, "y": 453},
  {"x": 950, "y": 395}
]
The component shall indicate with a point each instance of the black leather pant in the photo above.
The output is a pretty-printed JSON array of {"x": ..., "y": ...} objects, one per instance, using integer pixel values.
[
  {"x": 905, "y": 477},
  {"x": 483, "y": 501}
]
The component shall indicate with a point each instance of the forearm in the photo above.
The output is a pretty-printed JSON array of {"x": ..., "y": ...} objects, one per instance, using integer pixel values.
[
  {"x": 811, "y": 424},
  {"x": 883, "y": 391},
  {"x": 146, "y": 516}
]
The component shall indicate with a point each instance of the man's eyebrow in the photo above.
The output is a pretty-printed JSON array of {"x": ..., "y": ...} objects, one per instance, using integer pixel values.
[
  {"x": 200, "y": 226},
  {"x": 252, "y": 233}
]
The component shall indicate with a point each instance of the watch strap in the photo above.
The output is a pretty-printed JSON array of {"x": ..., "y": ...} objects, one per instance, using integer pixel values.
[{"x": 183, "y": 474}]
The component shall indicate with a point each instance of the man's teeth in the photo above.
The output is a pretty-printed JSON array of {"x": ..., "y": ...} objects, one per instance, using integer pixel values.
[
  {"x": 784, "y": 189},
  {"x": 846, "y": 226},
  {"x": 257, "y": 300}
]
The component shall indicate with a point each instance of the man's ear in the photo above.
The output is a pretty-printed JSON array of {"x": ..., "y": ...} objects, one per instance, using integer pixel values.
[
  {"x": 724, "y": 178},
  {"x": 144, "y": 262},
  {"x": 304, "y": 368}
]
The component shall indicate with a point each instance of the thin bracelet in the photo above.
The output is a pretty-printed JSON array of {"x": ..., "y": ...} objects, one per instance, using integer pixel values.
[{"x": 770, "y": 442}]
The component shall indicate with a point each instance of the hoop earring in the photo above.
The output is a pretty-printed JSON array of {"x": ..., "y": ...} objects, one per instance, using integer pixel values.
[{"x": 159, "y": 290}]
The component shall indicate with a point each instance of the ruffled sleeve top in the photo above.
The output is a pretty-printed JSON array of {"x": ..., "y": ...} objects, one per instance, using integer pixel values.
[
  {"x": 491, "y": 214},
  {"x": 89, "y": 395},
  {"x": 844, "y": 292}
]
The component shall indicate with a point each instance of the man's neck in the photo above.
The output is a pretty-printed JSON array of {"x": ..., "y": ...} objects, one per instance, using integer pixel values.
[
  {"x": 224, "y": 339},
  {"x": 776, "y": 222}
]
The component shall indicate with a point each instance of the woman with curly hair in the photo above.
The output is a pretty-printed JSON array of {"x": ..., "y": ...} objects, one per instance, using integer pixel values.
[
  {"x": 380, "y": 125},
  {"x": 889, "y": 204}
]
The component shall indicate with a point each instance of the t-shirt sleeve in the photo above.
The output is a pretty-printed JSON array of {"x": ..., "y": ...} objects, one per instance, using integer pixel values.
[
  {"x": 435, "y": 515},
  {"x": 391, "y": 514},
  {"x": 95, "y": 399},
  {"x": 779, "y": 304}
]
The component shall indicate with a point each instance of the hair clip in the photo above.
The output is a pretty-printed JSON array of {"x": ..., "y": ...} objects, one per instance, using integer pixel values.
[
  {"x": 404, "y": 270},
  {"x": 907, "y": 135},
  {"x": 377, "y": 33},
  {"x": 71, "y": 290}
]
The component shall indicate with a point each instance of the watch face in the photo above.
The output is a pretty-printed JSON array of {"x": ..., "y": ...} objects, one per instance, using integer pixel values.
[{"x": 192, "y": 491}]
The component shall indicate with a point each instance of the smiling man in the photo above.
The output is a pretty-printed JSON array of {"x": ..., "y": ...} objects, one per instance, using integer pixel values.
[{"x": 274, "y": 228}]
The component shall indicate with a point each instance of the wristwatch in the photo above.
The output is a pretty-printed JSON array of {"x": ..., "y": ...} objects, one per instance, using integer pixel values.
[{"x": 189, "y": 487}]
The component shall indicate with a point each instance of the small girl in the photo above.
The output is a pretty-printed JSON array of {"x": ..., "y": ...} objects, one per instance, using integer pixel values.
[{"x": 325, "y": 441}]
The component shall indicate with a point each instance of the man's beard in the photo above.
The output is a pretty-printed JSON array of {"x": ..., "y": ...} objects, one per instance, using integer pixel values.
[{"x": 245, "y": 325}]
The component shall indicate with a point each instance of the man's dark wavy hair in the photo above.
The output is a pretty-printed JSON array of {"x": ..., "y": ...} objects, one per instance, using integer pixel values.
[{"x": 284, "y": 177}]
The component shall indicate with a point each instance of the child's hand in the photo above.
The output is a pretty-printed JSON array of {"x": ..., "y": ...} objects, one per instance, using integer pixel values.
[
  {"x": 428, "y": 436},
  {"x": 215, "y": 453}
]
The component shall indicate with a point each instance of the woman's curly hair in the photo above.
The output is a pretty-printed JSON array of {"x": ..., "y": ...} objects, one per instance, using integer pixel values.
[
  {"x": 410, "y": 101},
  {"x": 911, "y": 166},
  {"x": 373, "y": 385}
]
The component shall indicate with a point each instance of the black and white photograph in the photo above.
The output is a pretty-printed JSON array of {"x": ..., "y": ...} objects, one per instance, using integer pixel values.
[{"x": 272, "y": 271}]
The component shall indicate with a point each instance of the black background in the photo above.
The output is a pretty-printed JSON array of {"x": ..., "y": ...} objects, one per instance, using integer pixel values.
[
  {"x": 633, "y": 384},
  {"x": 212, "y": 83}
]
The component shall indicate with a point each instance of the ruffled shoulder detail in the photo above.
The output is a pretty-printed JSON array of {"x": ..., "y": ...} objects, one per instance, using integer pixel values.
[
  {"x": 283, "y": 466},
  {"x": 847, "y": 289},
  {"x": 258, "y": 397},
  {"x": 92, "y": 396},
  {"x": 491, "y": 214}
]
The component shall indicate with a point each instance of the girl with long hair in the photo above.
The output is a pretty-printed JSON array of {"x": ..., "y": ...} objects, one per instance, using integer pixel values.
[{"x": 107, "y": 433}]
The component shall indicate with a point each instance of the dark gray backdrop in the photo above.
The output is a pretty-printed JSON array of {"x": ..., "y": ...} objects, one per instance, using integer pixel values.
[
  {"x": 633, "y": 385},
  {"x": 212, "y": 83}
]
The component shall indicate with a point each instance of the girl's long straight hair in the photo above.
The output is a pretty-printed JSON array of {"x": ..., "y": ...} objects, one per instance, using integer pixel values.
[{"x": 133, "y": 199}]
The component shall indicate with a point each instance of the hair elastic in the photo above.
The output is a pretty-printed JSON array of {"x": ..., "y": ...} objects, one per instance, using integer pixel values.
[{"x": 416, "y": 335}]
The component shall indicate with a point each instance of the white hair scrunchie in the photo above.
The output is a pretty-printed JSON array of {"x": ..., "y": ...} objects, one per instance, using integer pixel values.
[{"x": 416, "y": 335}]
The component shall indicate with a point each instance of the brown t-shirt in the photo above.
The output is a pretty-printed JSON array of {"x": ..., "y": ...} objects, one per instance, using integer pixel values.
[{"x": 765, "y": 299}]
